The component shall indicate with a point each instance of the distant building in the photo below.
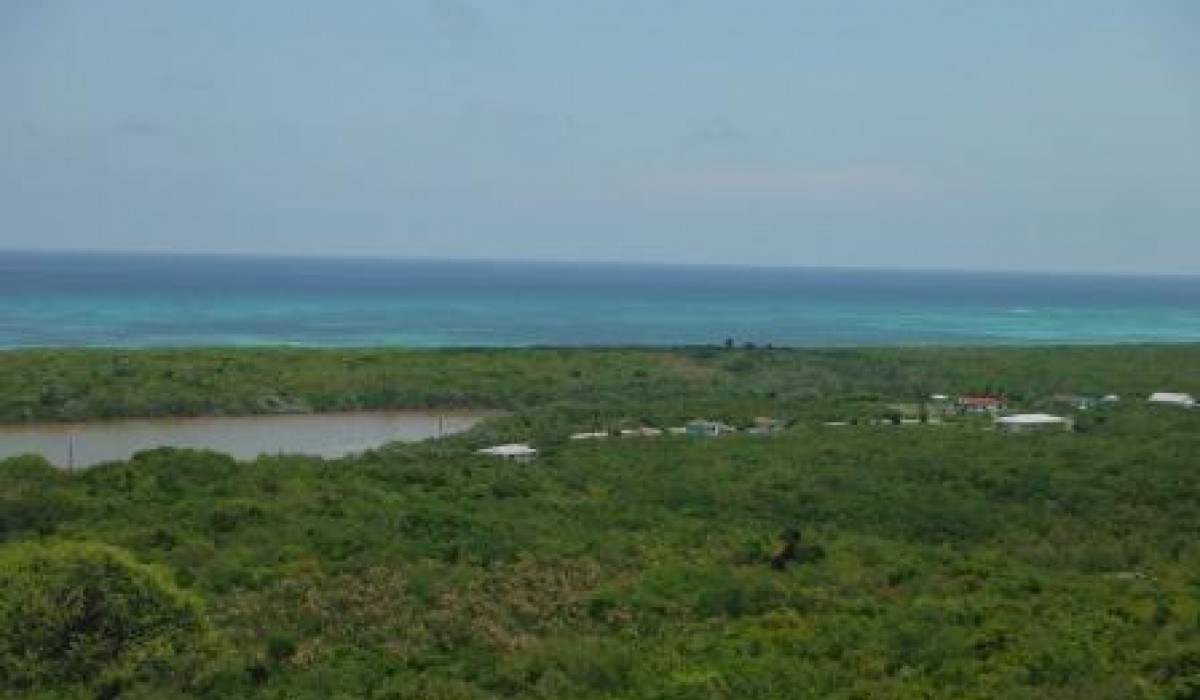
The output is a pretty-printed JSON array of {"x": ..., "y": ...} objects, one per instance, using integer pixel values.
[
  {"x": 1169, "y": 398},
  {"x": 708, "y": 428},
  {"x": 1030, "y": 422},
  {"x": 937, "y": 405},
  {"x": 980, "y": 404},
  {"x": 765, "y": 426},
  {"x": 519, "y": 452},
  {"x": 641, "y": 432},
  {"x": 1081, "y": 402},
  {"x": 589, "y": 436}
]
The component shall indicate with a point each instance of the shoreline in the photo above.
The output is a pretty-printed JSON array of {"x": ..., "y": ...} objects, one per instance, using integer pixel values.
[{"x": 397, "y": 413}]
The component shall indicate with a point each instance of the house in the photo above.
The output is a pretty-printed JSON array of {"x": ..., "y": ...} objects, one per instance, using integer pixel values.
[
  {"x": 708, "y": 428},
  {"x": 1169, "y": 398},
  {"x": 519, "y": 452},
  {"x": 1031, "y": 422},
  {"x": 1079, "y": 401},
  {"x": 765, "y": 426},
  {"x": 937, "y": 405},
  {"x": 980, "y": 404},
  {"x": 641, "y": 432},
  {"x": 589, "y": 436}
]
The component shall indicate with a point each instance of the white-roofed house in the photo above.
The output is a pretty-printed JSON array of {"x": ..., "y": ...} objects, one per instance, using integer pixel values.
[
  {"x": 1171, "y": 398},
  {"x": 519, "y": 452},
  {"x": 1030, "y": 422},
  {"x": 708, "y": 428},
  {"x": 589, "y": 436}
]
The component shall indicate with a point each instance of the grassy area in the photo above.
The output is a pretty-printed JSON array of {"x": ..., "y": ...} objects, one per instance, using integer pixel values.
[{"x": 958, "y": 562}]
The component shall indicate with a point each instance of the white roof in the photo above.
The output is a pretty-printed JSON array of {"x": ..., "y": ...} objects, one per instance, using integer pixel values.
[
  {"x": 1031, "y": 419},
  {"x": 1172, "y": 397},
  {"x": 589, "y": 436},
  {"x": 511, "y": 450}
]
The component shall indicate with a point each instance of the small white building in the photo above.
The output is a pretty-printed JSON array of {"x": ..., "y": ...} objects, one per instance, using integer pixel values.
[
  {"x": 1170, "y": 398},
  {"x": 519, "y": 452},
  {"x": 708, "y": 428},
  {"x": 766, "y": 425},
  {"x": 1029, "y": 422},
  {"x": 641, "y": 432},
  {"x": 589, "y": 436}
]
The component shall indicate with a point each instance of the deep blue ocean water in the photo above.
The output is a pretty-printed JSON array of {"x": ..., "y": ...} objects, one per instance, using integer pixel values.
[{"x": 157, "y": 300}]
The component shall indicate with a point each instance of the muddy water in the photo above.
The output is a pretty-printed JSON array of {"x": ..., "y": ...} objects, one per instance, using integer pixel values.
[{"x": 245, "y": 437}]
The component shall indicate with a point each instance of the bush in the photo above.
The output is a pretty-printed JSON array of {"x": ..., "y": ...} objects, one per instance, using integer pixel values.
[
  {"x": 32, "y": 498},
  {"x": 90, "y": 616}
]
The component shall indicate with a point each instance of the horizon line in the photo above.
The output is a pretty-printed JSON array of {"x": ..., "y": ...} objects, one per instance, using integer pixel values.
[{"x": 386, "y": 258}]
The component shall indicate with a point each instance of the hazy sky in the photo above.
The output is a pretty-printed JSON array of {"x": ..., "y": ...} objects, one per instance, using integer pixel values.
[{"x": 1019, "y": 134}]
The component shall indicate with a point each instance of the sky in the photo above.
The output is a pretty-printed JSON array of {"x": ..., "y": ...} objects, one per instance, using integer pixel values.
[{"x": 969, "y": 134}]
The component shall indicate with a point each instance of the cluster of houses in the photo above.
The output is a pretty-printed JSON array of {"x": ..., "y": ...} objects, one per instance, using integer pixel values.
[
  {"x": 701, "y": 427},
  {"x": 941, "y": 404},
  {"x": 1025, "y": 422},
  {"x": 1014, "y": 423}
]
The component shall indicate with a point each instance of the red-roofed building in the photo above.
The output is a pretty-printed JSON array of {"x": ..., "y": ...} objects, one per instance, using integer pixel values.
[{"x": 980, "y": 404}]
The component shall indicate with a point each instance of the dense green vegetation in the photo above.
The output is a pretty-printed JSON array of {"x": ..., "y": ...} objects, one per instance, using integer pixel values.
[
  {"x": 958, "y": 562},
  {"x": 81, "y": 384},
  {"x": 89, "y": 616}
]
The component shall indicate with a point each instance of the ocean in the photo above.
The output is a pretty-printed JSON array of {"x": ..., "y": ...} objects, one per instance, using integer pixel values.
[{"x": 77, "y": 300}]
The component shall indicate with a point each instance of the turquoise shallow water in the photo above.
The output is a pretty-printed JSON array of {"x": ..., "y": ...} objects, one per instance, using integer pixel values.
[{"x": 129, "y": 300}]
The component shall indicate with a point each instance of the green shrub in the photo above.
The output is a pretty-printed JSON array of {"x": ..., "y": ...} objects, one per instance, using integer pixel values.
[{"x": 90, "y": 616}]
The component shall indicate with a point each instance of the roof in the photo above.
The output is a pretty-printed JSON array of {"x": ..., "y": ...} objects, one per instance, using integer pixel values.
[
  {"x": 1172, "y": 397},
  {"x": 589, "y": 436},
  {"x": 510, "y": 450},
  {"x": 981, "y": 401},
  {"x": 641, "y": 432},
  {"x": 1031, "y": 419}
]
